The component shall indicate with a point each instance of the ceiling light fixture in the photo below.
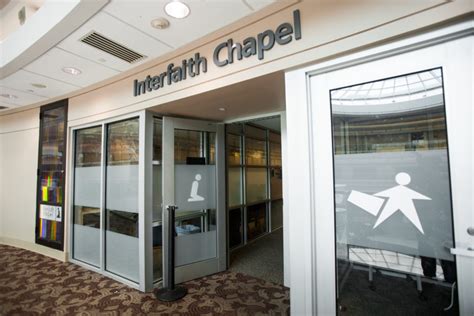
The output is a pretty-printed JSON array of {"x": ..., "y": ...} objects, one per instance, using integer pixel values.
[
  {"x": 177, "y": 9},
  {"x": 222, "y": 109},
  {"x": 160, "y": 23},
  {"x": 72, "y": 71},
  {"x": 39, "y": 85},
  {"x": 8, "y": 96}
]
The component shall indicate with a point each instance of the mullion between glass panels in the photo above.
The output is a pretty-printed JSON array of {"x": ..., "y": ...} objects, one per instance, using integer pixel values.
[
  {"x": 243, "y": 150},
  {"x": 73, "y": 152},
  {"x": 269, "y": 184},
  {"x": 103, "y": 162}
]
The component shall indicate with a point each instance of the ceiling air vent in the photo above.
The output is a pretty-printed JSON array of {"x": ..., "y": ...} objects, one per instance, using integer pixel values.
[
  {"x": 3, "y": 107},
  {"x": 101, "y": 42}
]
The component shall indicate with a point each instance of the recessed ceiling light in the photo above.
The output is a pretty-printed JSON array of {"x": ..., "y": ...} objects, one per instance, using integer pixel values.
[
  {"x": 39, "y": 85},
  {"x": 160, "y": 23},
  {"x": 177, "y": 9},
  {"x": 8, "y": 96},
  {"x": 72, "y": 71},
  {"x": 222, "y": 109}
]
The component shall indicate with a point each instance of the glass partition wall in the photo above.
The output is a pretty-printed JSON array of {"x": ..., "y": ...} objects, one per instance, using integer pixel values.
[
  {"x": 121, "y": 199},
  {"x": 86, "y": 211},
  {"x": 254, "y": 182},
  {"x": 117, "y": 198},
  {"x": 116, "y": 207}
]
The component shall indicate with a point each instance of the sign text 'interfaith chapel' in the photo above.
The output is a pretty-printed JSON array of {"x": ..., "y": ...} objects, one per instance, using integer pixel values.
[{"x": 224, "y": 54}]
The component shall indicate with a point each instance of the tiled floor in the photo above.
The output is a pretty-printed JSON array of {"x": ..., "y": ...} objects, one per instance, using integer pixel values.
[{"x": 32, "y": 284}]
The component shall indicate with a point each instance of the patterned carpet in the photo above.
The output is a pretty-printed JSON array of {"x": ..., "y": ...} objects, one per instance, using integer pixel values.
[{"x": 32, "y": 284}]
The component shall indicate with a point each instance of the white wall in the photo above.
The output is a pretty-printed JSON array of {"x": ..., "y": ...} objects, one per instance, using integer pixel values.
[
  {"x": 19, "y": 135},
  {"x": 19, "y": 153}
]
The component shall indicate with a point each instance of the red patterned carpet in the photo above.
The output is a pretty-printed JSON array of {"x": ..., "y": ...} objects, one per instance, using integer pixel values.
[{"x": 32, "y": 284}]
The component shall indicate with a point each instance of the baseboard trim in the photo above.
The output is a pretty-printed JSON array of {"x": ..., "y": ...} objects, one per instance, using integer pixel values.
[{"x": 52, "y": 253}]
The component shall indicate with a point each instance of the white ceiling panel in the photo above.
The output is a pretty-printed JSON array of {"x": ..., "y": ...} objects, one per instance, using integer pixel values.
[
  {"x": 118, "y": 31},
  {"x": 206, "y": 16},
  {"x": 51, "y": 65},
  {"x": 22, "y": 98},
  {"x": 259, "y": 4},
  {"x": 24, "y": 80}
]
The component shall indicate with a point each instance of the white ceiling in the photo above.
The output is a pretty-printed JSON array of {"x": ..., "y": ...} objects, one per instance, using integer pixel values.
[
  {"x": 241, "y": 101},
  {"x": 3, "y": 3},
  {"x": 128, "y": 23}
]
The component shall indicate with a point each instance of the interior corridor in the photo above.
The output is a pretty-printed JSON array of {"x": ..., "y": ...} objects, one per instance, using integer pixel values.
[{"x": 262, "y": 258}]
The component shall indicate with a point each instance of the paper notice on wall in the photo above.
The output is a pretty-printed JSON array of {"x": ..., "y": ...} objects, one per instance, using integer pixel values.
[{"x": 51, "y": 213}]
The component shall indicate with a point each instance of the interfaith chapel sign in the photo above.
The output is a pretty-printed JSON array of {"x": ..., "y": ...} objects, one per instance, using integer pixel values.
[{"x": 224, "y": 54}]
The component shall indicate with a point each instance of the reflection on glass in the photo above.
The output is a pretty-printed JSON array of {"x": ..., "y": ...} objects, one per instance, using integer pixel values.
[
  {"x": 122, "y": 220},
  {"x": 255, "y": 132},
  {"x": 256, "y": 220},
  {"x": 157, "y": 139},
  {"x": 187, "y": 145},
  {"x": 255, "y": 152},
  {"x": 86, "y": 229},
  {"x": 277, "y": 214},
  {"x": 276, "y": 183},
  {"x": 234, "y": 186},
  {"x": 392, "y": 194},
  {"x": 211, "y": 139},
  {"x": 88, "y": 148},
  {"x": 256, "y": 184},
  {"x": 235, "y": 227},
  {"x": 122, "y": 145},
  {"x": 275, "y": 154},
  {"x": 233, "y": 149},
  {"x": 52, "y": 139}
]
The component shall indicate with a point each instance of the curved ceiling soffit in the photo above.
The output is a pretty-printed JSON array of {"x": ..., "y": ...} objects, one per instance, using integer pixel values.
[{"x": 44, "y": 30}]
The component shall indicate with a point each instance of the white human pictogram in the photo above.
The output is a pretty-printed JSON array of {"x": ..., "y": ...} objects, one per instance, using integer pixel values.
[
  {"x": 194, "y": 196},
  {"x": 400, "y": 198}
]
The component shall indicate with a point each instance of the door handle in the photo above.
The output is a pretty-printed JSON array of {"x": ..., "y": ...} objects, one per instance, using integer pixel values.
[{"x": 465, "y": 252}]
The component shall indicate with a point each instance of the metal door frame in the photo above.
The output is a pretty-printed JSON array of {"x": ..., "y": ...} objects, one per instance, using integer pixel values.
[
  {"x": 213, "y": 265},
  {"x": 310, "y": 170}
]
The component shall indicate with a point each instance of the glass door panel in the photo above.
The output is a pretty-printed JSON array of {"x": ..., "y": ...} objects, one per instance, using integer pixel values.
[
  {"x": 391, "y": 151},
  {"x": 393, "y": 200},
  {"x": 87, "y": 188},
  {"x": 121, "y": 217},
  {"x": 193, "y": 161},
  {"x": 195, "y": 187}
]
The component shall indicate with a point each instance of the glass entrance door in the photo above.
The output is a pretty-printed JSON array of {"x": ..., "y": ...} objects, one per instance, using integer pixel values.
[
  {"x": 193, "y": 181},
  {"x": 399, "y": 156}
]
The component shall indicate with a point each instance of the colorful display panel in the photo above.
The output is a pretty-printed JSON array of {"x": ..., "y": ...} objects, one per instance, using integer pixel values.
[{"x": 51, "y": 171}]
